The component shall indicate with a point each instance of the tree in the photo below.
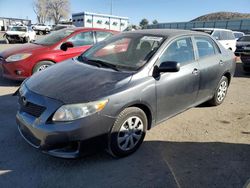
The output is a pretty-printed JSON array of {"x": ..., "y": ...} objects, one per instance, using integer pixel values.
[
  {"x": 58, "y": 9},
  {"x": 55, "y": 10},
  {"x": 40, "y": 8},
  {"x": 155, "y": 22},
  {"x": 144, "y": 23}
]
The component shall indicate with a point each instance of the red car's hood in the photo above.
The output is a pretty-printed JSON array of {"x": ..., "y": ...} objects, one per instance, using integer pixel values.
[{"x": 22, "y": 48}]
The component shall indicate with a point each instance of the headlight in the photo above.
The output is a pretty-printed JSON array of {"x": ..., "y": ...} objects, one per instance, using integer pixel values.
[
  {"x": 18, "y": 57},
  {"x": 76, "y": 111}
]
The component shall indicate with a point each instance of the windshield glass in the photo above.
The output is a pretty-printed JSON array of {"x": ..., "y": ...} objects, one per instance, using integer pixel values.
[
  {"x": 125, "y": 52},
  {"x": 54, "y": 37},
  {"x": 23, "y": 29},
  {"x": 244, "y": 39}
]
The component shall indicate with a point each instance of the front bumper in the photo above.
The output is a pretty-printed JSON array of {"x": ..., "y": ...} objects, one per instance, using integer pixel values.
[
  {"x": 61, "y": 139},
  {"x": 18, "y": 70}
]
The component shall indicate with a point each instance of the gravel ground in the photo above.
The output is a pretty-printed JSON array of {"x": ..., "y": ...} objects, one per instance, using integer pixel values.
[{"x": 202, "y": 147}]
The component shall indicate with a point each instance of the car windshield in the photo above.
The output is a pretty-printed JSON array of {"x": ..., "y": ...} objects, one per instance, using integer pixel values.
[
  {"x": 124, "y": 52},
  {"x": 54, "y": 37},
  {"x": 23, "y": 29},
  {"x": 244, "y": 39}
]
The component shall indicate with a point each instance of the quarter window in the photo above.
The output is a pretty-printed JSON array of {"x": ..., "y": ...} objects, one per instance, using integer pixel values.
[
  {"x": 82, "y": 39},
  {"x": 180, "y": 51},
  {"x": 205, "y": 46}
]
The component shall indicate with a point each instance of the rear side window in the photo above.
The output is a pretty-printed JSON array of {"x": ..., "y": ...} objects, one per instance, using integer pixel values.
[
  {"x": 227, "y": 35},
  {"x": 100, "y": 36},
  {"x": 180, "y": 51},
  {"x": 82, "y": 39},
  {"x": 206, "y": 47}
]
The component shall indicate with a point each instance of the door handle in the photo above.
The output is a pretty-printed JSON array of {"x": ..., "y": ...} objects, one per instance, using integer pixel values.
[
  {"x": 221, "y": 62},
  {"x": 195, "y": 71}
]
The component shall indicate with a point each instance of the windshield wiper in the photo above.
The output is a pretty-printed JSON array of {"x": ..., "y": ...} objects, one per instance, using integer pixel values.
[{"x": 101, "y": 63}]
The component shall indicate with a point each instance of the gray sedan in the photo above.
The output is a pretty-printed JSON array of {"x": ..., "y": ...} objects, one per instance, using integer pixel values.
[{"x": 120, "y": 88}]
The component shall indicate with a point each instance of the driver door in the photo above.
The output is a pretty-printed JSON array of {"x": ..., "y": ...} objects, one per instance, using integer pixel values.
[
  {"x": 177, "y": 91},
  {"x": 81, "y": 41}
]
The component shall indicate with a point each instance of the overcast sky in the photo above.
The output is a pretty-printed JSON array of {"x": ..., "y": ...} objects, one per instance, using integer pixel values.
[{"x": 162, "y": 10}]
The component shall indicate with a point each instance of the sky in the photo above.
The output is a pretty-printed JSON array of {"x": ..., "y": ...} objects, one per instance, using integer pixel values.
[{"x": 161, "y": 10}]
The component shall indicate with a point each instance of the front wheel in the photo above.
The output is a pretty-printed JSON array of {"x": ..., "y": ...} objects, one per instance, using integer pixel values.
[
  {"x": 128, "y": 132},
  {"x": 220, "y": 92},
  {"x": 42, "y": 65}
]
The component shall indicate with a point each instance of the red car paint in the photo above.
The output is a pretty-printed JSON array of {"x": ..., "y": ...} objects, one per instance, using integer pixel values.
[{"x": 40, "y": 53}]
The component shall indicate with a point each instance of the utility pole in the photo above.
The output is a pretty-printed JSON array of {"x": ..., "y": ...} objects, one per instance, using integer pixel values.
[{"x": 111, "y": 7}]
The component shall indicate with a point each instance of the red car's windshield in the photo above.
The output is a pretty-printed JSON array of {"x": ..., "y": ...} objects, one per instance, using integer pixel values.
[{"x": 54, "y": 37}]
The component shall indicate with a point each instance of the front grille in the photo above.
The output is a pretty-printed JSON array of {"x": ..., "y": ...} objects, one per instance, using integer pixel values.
[{"x": 31, "y": 108}]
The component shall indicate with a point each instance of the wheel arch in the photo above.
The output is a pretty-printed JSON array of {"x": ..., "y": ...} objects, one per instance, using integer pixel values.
[
  {"x": 38, "y": 61},
  {"x": 228, "y": 76},
  {"x": 145, "y": 108}
]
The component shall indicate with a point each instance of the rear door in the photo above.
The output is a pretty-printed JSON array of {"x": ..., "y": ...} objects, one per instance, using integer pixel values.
[
  {"x": 211, "y": 66},
  {"x": 81, "y": 41},
  {"x": 177, "y": 91}
]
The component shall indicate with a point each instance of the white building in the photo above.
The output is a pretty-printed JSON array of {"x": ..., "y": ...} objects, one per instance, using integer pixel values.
[{"x": 87, "y": 19}]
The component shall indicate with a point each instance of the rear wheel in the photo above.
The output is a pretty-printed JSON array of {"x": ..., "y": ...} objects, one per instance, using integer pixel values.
[
  {"x": 42, "y": 65},
  {"x": 220, "y": 92},
  {"x": 128, "y": 132}
]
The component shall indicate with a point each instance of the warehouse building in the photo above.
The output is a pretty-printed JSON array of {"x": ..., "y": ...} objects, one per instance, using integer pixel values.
[
  {"x": 87, "y": 19},
  {"x": 5, "y": 22},
  {"x": 242, "y": 25}
]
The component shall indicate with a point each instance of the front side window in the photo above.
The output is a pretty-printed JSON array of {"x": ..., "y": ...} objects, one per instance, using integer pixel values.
[
  {"x": 82, "y": 39},
  {"x": 180, "y": 51},
  {"x": 54, "y": 37},
  {"x": 100, "y": 36},
  {"x": 126, "y": 51},
  {"x": 205, "y": 46}
]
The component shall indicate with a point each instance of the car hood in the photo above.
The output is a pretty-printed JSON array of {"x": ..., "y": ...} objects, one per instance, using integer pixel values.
[
  {"x": 22, "y": 48},
  {"x": 75, "y": 82},
  {"x": 15, "y": 32}
]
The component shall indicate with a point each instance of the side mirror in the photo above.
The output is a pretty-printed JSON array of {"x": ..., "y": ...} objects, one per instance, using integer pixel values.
[
  {"x": 66, "y": 45},
  {"x": 169, "y": 66}
]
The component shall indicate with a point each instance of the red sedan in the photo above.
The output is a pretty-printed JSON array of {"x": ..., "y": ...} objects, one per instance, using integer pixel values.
[{"x": 21, "y": 62}]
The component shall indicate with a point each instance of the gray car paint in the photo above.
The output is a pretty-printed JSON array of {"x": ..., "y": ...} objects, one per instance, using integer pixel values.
[{"x": 164, "y": 96}]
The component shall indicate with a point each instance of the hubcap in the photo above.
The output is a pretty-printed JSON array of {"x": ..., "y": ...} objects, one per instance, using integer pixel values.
[
  {"x": 42, "y": 67},
  {"x": 222, "y": 91},
  {"x": 130, "y": 133}
]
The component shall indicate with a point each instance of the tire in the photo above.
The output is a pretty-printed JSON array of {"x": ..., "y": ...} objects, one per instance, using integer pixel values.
[
  {"x": 7, "y": 41},
  {"x": 220, "y": 92},
  {"x": 41, "y": 66},
  {"x": 40, "y": 32},
  {"x": 246, "y": 69},
  {"x": 27, "y": 39},
  {"x": 128, "y": 132}
]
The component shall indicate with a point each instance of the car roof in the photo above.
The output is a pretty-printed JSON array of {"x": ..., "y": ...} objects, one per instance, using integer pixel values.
[
  {"x": 87, "y": 29},
  {"x": 212, "y": 29},
  {"x": 165, "y": 32}
]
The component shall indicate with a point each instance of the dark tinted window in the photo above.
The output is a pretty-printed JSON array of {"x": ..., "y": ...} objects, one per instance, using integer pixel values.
[
  {"x": 82, "y": 39},
  {"x": 238, "y": 35},
  {"x": 180, "y": 51},
  {"x": 100, "y": 36},
  {"x": 205, "y": 46},
  {"x": 245, "y": 39}
]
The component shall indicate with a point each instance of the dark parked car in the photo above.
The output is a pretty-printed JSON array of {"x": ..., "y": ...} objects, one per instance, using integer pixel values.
[
  {"x": 243, "y": 50},
  {"x": 120, "y": 88}
]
